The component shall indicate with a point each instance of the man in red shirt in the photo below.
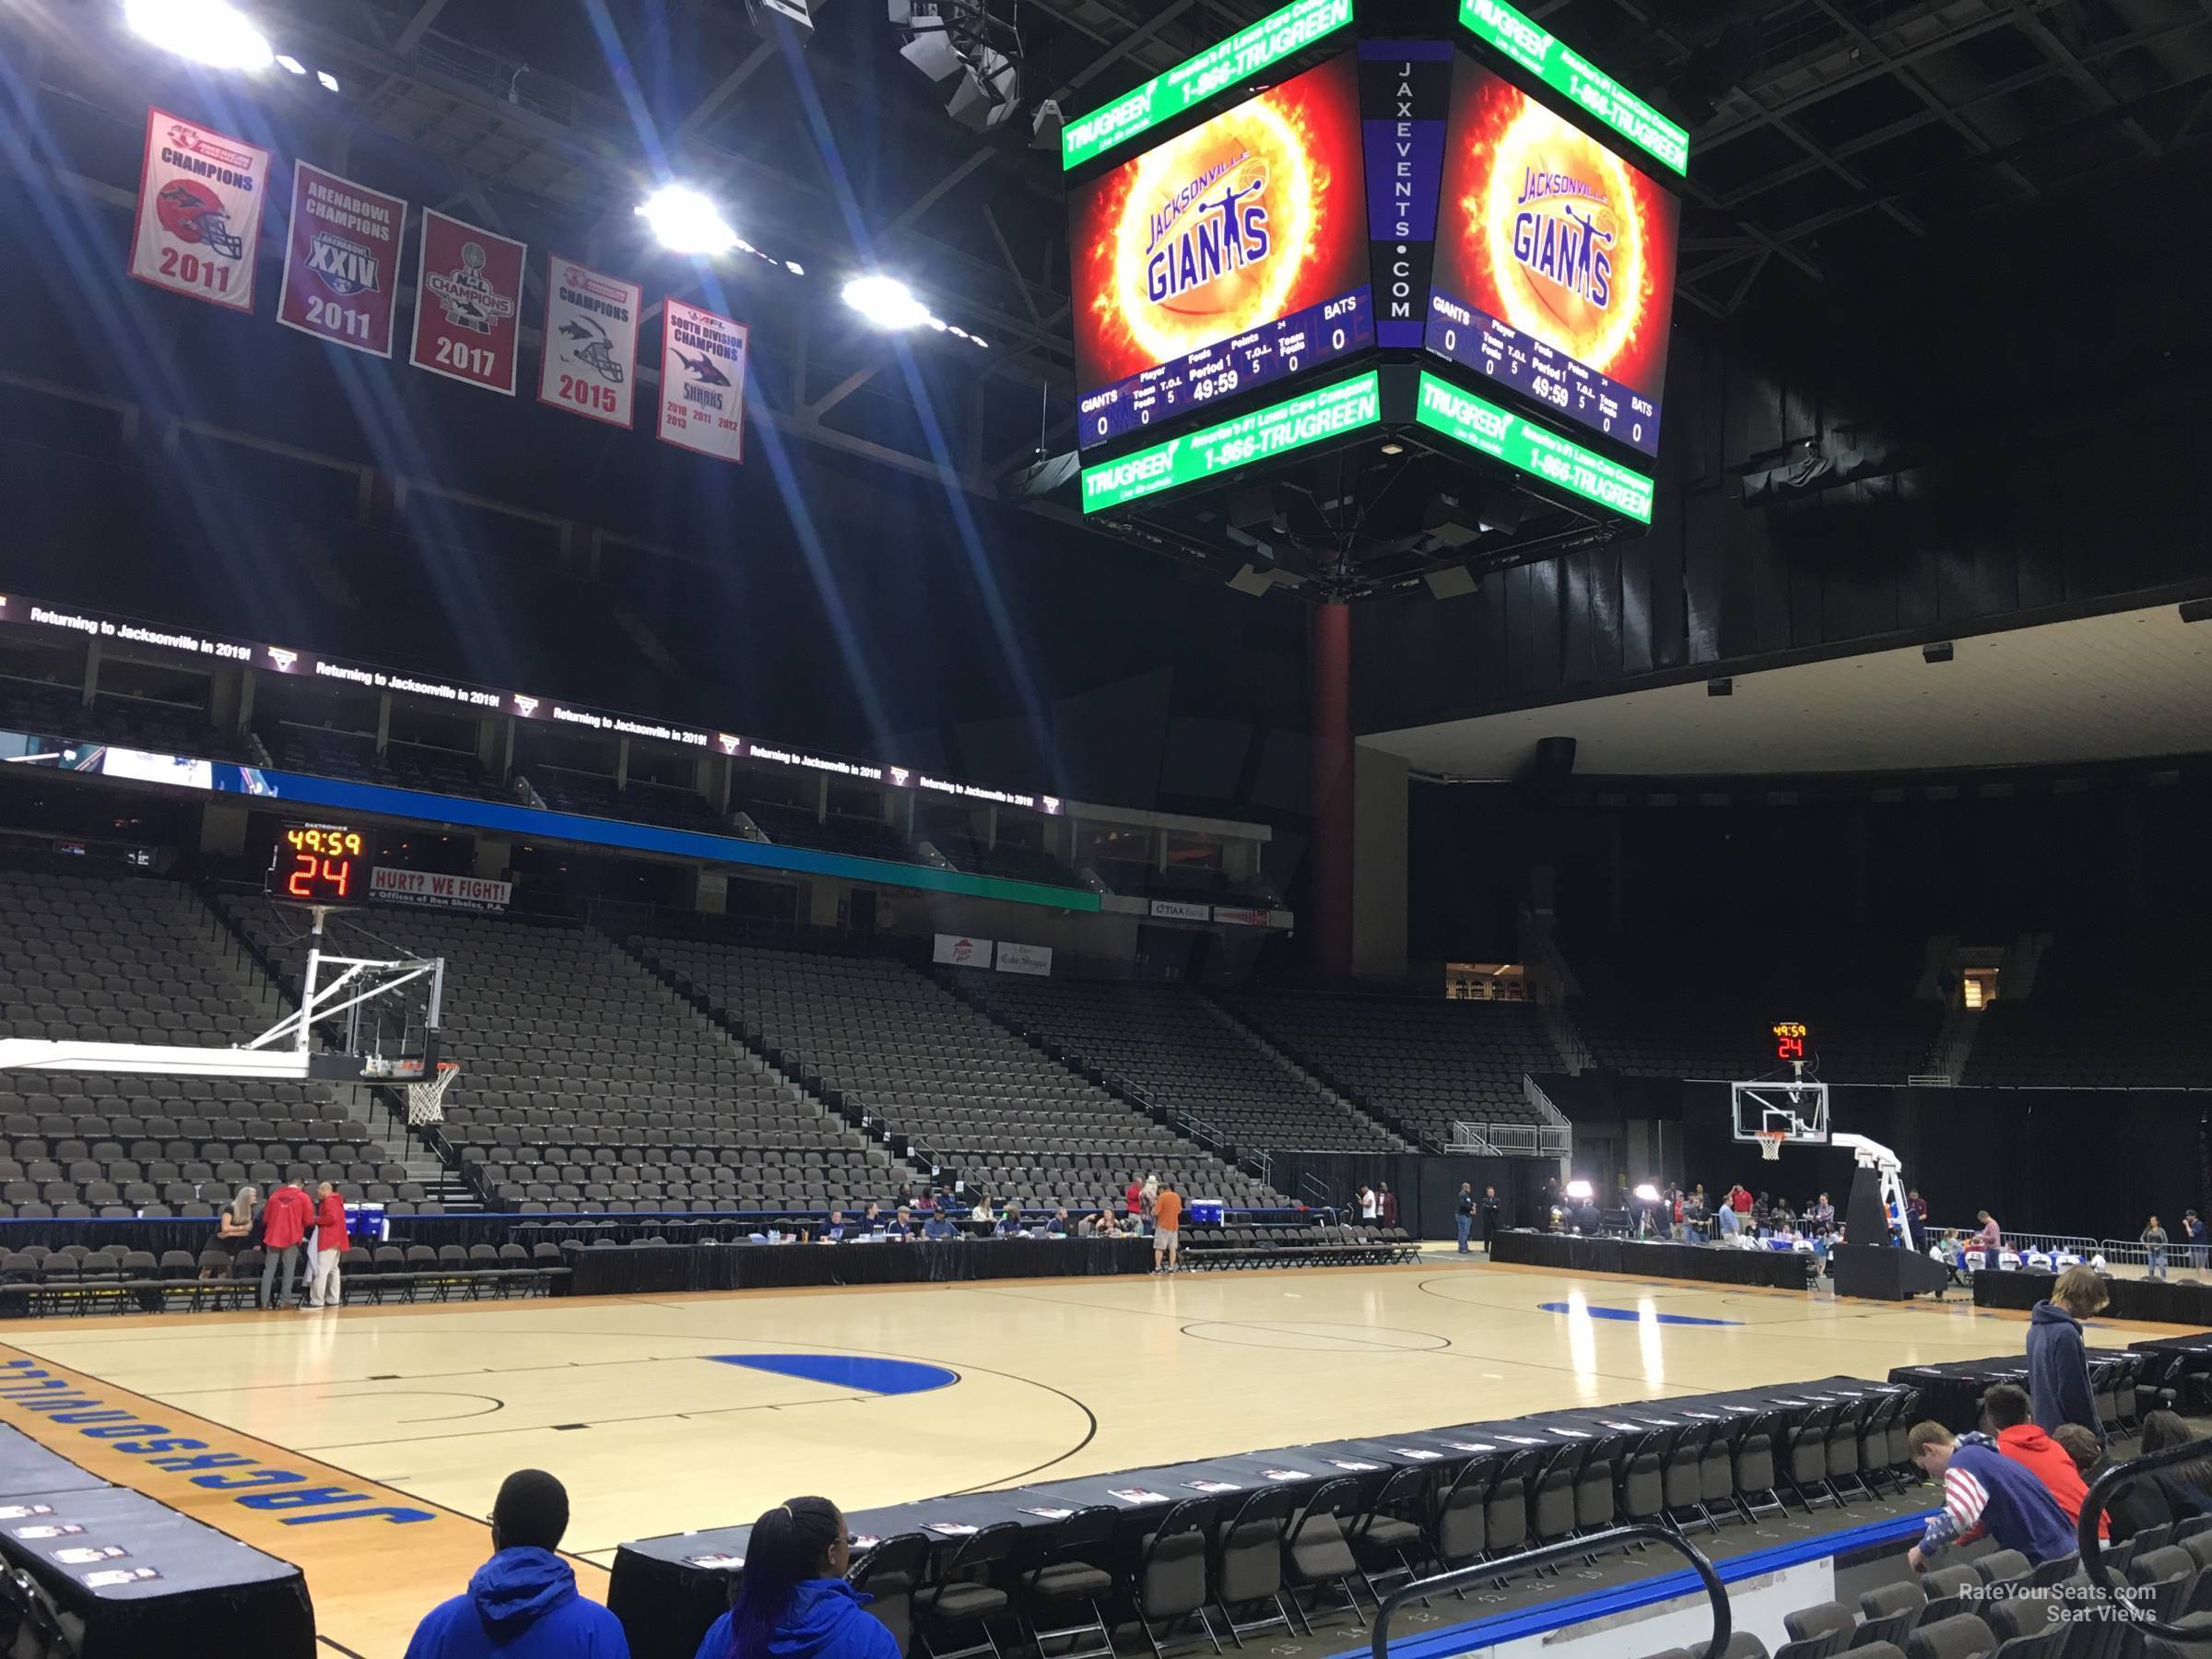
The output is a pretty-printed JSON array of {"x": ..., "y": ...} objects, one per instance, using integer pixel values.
[
  {"x": 2004, "y": 1415},
  {"x": 323, "y": 1289},
  {"x": 1134, "y": 1199},
  {"x": 285, "y": 1220}
]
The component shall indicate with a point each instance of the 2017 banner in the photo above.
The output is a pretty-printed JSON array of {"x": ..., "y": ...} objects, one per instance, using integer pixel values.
[
  {"x": 468, "y": 291},
  {"x": 341, "y": 261},
  {"x": 589, "y": 365},
  {"x": 703, "y": 381},
  {"x": 199, "y": 211}
]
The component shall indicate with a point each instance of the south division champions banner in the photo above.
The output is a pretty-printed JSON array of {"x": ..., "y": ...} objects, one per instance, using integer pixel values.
[
  {"x": 341, "y": 261},
  {"x": 590, "y": 362},
  {"x": 703, "y": 381},
  {"x": 468, "y": 291},
  {"x": 199, "y": 211},
  {"x": 1554, "y": 263},
  {"x": 1223, "y": 259}
]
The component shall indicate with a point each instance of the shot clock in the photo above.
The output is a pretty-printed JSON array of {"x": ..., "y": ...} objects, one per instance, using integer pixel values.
[
  {"x": 319, "y": 863},
  {"x": 1790, "y": 1038}
]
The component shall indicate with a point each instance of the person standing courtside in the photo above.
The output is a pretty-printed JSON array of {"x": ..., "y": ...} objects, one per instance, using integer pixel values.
[
  {"x": 1464, "y": 1208},
  {"x": 324, "y": 1288},
  {"x": 285, "y": 1220},
  {"x": 1167, "y": 1227},
  {"x": 1488, "y": 1208}
]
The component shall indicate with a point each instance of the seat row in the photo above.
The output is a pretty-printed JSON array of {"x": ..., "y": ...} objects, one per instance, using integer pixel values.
[{"x": 74, "y": 1279}]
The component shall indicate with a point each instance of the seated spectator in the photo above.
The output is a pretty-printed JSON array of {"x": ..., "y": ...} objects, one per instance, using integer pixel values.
[
  {"x": 522, "y": 1603},
  {"x": 1983, "y": 1491},
  {"x": 939, "y": 1227},
  {"x": 2137, "y": 1505},
  {"x": 872, "y": 1220},
  {"x": 233, "y": 1228},
  {"x": 791, "y": 1600},
  {"x": 2004, "y": 1415},
  {"x": 1058, "y": 1228},
  {"x": 2163, "y": 1430},
  {"x": 1104, "y": 1225},
  {"x": 834, "y": 1233},
  {"x": 2058, "y": 1363},
  {"x": 1009, "y": 1224},
  {"x": 983, "y": 1211},
  {"x": 903, "y": 1225}
]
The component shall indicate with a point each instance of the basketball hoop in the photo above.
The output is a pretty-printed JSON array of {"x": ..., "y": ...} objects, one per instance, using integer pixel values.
[
  {"x": 1769, "y": 1142},
  {"x": 425, "y": 1101}
]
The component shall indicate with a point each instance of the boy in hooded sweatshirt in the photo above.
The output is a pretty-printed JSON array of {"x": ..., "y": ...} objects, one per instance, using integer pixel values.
[
  {"x": 2005, "y": 1415},
  {"x": 522, "y": 1603},
  {"x": 2058, "y": 1361}
]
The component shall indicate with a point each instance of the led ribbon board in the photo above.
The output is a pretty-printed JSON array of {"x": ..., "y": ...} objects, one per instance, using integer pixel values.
[
  {"x": 1242, "y": 56},
  {"x": 1567, "y": 72},
  {"x": 1326, "y": 413},
  {"x": 1528, "y": 448}
]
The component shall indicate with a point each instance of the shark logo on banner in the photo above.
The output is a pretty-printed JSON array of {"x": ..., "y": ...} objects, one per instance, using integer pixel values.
[
  {"x": 703, "y": 381},
  {"x": 341, "y": 261},
  {"x": 199, "y": 211},
  {"x": 590, "y": 362}
]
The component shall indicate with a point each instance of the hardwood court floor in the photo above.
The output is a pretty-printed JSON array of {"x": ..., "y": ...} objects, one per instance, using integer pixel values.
[{"x": 429, "y": 1407}]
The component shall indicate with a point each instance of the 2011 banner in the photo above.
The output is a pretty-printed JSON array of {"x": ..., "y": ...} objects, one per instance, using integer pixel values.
[
  {"x": 703, "y": 381},
  {"x": 468, "y": 291},
  {"x": 589, "y": 365},
  {"x": 341, "y": 261},
  {"x": 199, "y": 211}
]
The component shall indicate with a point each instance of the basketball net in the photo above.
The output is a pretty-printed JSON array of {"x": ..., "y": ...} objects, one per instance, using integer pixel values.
[
  {"x": 1769, "y": 1143},
  {"x": 425, "y": 1101}
]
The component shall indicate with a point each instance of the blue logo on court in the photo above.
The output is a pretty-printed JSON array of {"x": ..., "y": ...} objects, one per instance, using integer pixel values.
[
  {"x": 848, "y": 1371},
  {"x": 1631, "y": 1315}
]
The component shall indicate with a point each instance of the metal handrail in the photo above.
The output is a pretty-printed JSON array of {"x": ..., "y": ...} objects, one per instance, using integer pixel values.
[
  {"x": 2092, "y": 1548},
  {"x": 1636, "y": 1532}
]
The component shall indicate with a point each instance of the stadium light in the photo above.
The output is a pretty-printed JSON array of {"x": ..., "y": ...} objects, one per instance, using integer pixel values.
[
  {"x": 285, "y": 61},
  {"x": 1648, "y": 1192},
  {"x": 1578, "y": 1189},
  {"x": 208, "y": 31},
  {"x": 685, "y": 222},
  {"x": 886, "y": 302}
]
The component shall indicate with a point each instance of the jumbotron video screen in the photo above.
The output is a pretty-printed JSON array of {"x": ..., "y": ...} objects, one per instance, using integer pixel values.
[
  {"x": 1554, "y": 261},
  {"x": 1225, "y": 258}
]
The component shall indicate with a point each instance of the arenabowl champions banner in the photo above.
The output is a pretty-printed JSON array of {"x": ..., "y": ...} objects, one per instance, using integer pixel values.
[
  {"x": 589, "y": 365},
  {"x": 703, "y": 381},
  {"x": 341, "y": 261},
  {"x": 199, "y": 211}
]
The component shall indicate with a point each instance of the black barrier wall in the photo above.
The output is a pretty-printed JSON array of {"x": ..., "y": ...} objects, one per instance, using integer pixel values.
[{"x": 1425, "y": 1186}]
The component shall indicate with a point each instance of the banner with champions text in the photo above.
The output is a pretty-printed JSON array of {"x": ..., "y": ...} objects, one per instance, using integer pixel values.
[
  {"x": 199, "y": 211},
  {"x": 703, "y": 381},
  {"x": 341, "y": 261},
  {"x": 468, "y": 295},
  {"x": 589, "y": 362}
]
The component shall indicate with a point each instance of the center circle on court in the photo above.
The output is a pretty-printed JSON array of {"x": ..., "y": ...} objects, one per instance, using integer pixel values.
[{"x": 1317, "y": 1337}]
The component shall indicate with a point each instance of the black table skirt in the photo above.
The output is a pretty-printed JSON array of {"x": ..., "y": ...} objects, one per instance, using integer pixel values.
[
  {"x": 2153, "y": 1302},
  {"x": 1713, "y": 1264},
  {"x": 618, "y": 1270}
]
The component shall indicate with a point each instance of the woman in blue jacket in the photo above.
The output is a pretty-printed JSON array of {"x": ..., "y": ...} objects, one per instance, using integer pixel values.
[{"x": 793, "y": 1601}]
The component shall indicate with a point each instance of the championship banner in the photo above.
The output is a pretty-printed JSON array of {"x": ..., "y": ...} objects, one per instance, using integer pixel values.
[
  {"x": 468, "y": 291},
  {"x": 589, "y": 366},
  {"x": 703, "y": 381},
  {"x": 341, "y": 261},
  {"x": 199, "y": 211}
]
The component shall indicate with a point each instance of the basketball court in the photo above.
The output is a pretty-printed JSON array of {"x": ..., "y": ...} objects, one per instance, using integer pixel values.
[{"x": 669, "y": 1414}]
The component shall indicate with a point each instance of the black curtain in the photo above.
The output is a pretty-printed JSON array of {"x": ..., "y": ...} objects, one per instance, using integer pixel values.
[{"x": 1426, "y": 1185}]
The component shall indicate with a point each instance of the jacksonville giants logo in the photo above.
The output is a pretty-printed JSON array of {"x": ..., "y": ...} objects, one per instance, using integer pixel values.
[
  {"x": 1213, "y": 226},
  {"x": 466, "y": 294},
  {"x": 345, "y": 266},
  {"x": 1561, "y": 233}
]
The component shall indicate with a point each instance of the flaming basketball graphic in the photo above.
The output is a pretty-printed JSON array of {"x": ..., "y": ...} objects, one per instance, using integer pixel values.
[
  {"x": 1256, "y": 214},
  {"x": 1555, "y": 235}
]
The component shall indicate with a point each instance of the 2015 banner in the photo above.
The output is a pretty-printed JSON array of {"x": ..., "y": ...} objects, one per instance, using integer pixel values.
[
  {"x": 199, "y": 211},
  {"x": 341, "y": 261},
  {"x": 703, "y": 381},
  {"x": 468, "y": 291},
  {"x": 589, "y": 365}
]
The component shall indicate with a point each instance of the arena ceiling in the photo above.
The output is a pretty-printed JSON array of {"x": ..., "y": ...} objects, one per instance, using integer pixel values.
[
  {"x": 1828, "y": 137},
  {"x": 2128, "y": 685}
]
